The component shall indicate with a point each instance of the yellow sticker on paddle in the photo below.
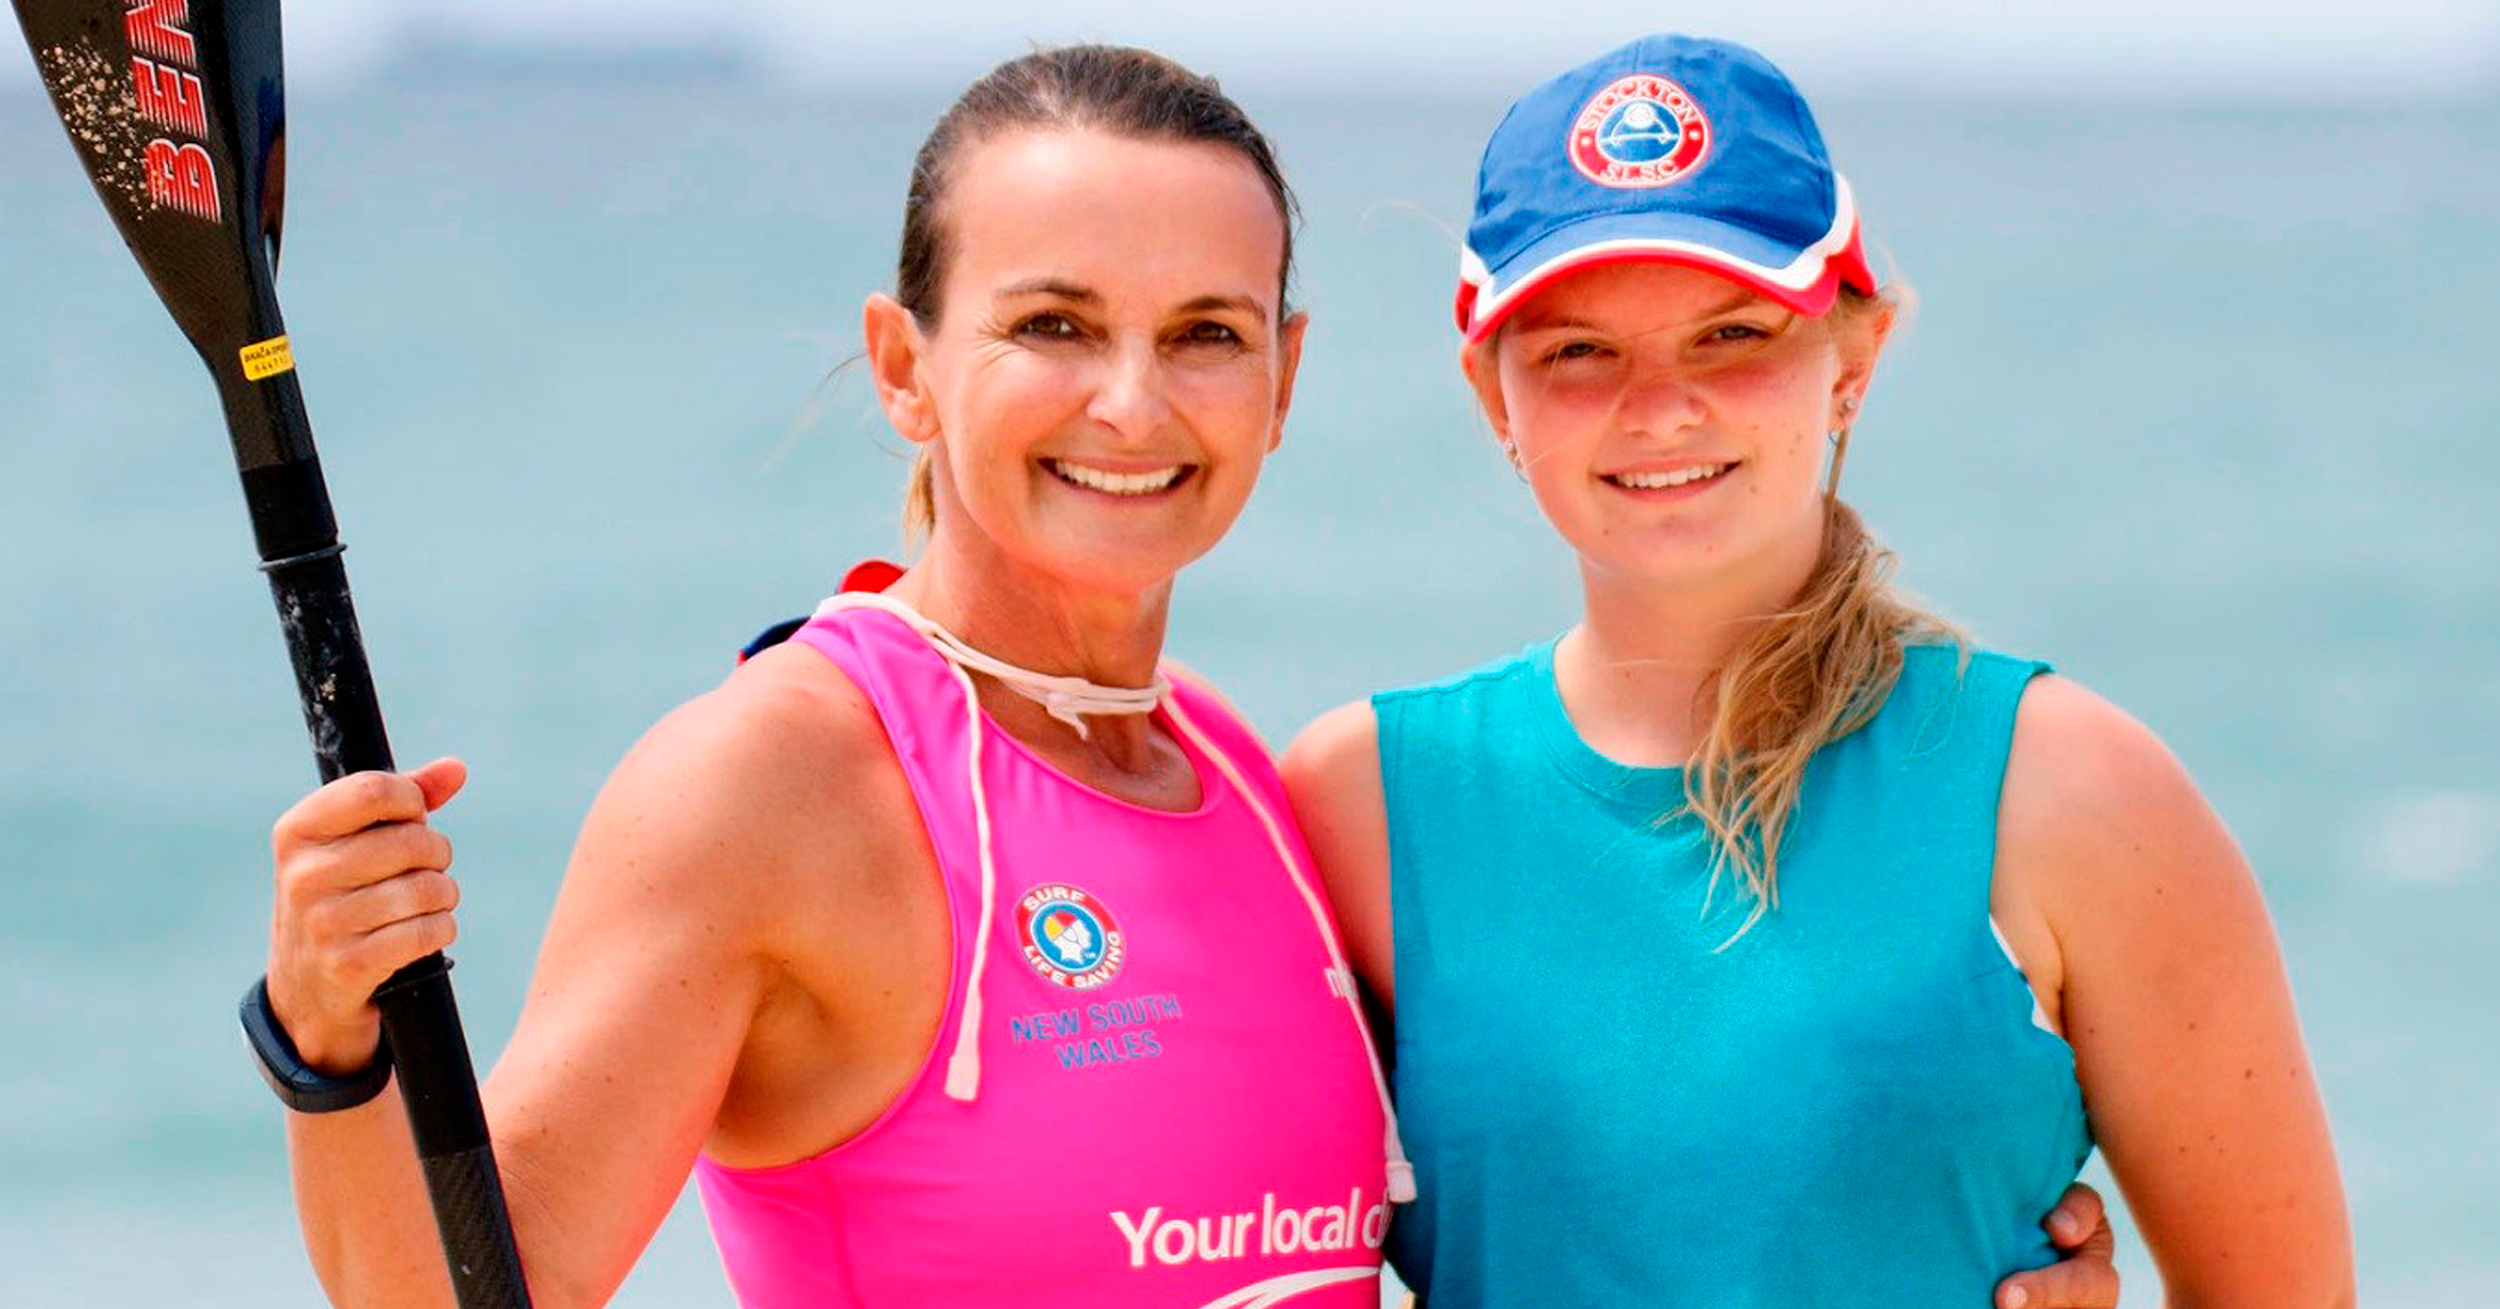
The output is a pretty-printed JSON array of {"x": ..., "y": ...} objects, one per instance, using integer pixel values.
[{"x": 265, "y": 359}]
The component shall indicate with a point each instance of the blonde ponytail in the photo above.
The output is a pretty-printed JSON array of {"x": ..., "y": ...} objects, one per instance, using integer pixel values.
[{"x": 1810, "y": 675}]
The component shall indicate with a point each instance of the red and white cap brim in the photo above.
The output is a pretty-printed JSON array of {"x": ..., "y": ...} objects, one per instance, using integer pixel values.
[{"x": 1806, "y": 280}]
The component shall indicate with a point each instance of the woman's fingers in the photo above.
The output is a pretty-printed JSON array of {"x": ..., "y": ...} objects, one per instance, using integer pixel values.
[
  {"x": 348, "y": 806},
  {"x": 363, "y": 889},
  {"x": 366, "y": 910},
  {"x": 364, "y": 938},
  {"x": 2079, "y": 1215},
  {"x": 313, "y": 874},
  {"x": 2087, "y": 1278},
  {"x": 388, "y": 948},
  {"x": 2078, "y": 1283},
  {"x": 360, "y": 800},
  {"x": 440, "y": 781}
]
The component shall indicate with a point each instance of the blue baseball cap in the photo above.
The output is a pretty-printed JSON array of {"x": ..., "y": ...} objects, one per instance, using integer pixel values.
[{"x": 1673, "y": 149}]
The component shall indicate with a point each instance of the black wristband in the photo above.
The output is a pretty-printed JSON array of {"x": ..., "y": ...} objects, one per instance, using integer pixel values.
[{"x": 303, "y": 1088}]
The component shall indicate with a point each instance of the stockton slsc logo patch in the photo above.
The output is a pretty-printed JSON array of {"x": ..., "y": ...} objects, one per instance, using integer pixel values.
[
  {"x": 1069, "y": 937},
  {"x": 1640, "y": 131}
]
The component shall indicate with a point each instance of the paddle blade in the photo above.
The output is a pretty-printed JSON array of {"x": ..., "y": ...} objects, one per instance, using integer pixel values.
[{"x": 177, "y": 109}]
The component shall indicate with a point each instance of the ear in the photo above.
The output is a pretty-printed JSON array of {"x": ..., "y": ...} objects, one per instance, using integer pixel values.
[
  {"x": 1289, "y": 361},
  {"x": 1484, "y": 373},
  {"x": 1862, "y": 335},
  {"x": 896, "y": 350}
]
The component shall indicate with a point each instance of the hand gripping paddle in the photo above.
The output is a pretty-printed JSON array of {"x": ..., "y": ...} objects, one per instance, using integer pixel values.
[{"x": 177, "y": 108}]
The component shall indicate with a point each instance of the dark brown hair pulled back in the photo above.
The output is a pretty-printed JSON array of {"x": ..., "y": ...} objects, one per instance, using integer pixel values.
[{"x": 1113, "y": 89}]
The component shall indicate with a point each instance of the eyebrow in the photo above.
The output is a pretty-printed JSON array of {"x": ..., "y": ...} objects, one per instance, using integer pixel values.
[
  {"x": 1744, "y": 296},
  {"x": 1250, "y": 305},
  {"x": 1064, "y": 290},
  {"x": 1051, "y": 286}
]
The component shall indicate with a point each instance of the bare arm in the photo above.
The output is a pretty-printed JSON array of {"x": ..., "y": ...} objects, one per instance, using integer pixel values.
[
  {"x": 1332, "y": 775},
  {"x": 361, "y": 889},
  {"x": 2173, "y": 995},
  {"x": 665, "y": 941}
]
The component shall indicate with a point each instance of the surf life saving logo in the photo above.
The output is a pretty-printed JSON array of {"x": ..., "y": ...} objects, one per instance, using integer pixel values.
[
  {"x": 1641, "y": 131},
  {"x": 1069, "y": 937}
]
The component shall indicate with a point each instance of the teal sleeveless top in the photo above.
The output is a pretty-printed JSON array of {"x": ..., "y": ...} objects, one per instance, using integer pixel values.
[{"x": 1609, "y": 1103}]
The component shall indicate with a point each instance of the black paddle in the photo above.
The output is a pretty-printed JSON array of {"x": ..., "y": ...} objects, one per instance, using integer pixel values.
[{"x": 177, "y": 108}]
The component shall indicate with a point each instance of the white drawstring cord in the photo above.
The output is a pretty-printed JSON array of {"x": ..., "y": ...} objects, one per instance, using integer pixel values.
[
  {"x": 1068, "y": 699},
  {"x": 1340, "y": 977},
  {"x": 963, "y": 1066}
]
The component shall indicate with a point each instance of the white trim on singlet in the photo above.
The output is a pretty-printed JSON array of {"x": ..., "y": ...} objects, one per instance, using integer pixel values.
[
  {"x": 2039, "y": 1016},
  {"x": 1340, "y": 977}
]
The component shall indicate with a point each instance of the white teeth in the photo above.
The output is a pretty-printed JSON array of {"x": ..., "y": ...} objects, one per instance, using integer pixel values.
[
  {"x": 1660, "y": 481},
  {"x": 1116, "y": 483}
]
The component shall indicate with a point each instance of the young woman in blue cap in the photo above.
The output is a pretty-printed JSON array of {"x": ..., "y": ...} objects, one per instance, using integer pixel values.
[{"x": 1757, "y": 942}]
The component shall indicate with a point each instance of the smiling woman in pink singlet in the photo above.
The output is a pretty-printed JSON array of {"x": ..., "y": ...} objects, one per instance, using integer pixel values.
[
  {"x": 962, "y": 953},
  {"x": 1107, "y": 1053}
]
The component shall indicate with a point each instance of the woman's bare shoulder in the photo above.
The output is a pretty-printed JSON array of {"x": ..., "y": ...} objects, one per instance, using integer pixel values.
[
  {"x": 2095, "y": 802},
  {"x": 1337, "y": 757},
  {"x": 782, "y": 772},
  {"x": 1332, "y": 775}
]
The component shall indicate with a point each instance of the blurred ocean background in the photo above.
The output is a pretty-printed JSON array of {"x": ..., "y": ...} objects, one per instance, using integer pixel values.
[{"x": 2199, "y": 403}]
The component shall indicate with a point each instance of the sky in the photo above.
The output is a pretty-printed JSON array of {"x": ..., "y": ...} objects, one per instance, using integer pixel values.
[{"x": 2329, "y": 50}]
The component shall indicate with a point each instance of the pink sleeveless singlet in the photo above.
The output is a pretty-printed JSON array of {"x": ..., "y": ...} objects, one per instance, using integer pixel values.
[{"x": 1148, "y": 1089}]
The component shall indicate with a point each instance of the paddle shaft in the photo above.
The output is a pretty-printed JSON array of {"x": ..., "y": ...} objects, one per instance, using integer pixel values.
[{"x": 300, "y": 552}]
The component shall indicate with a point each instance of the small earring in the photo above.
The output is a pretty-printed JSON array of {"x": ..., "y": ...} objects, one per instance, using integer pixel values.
[{"x": 1510, "y": 451}]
